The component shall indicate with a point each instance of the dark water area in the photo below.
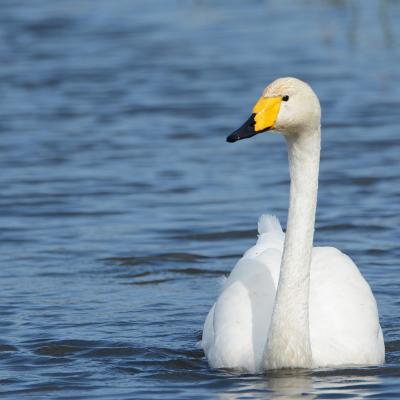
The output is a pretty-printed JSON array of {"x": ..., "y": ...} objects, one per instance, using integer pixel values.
[{"x": 122, "y": 206}]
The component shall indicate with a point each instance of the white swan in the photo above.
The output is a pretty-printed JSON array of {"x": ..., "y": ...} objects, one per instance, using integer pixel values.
[{"x": 287, "y": 304}]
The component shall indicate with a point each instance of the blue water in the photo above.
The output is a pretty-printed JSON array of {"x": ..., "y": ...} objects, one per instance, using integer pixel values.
[{"x": 122, "y": 206}]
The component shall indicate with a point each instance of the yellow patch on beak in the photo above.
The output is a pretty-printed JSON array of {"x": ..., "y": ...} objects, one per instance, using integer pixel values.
[{"x": 266, "y": 112}]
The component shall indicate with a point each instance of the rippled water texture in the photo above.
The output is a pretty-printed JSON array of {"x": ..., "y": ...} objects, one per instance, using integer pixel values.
[{"x": 122, "y": 206}]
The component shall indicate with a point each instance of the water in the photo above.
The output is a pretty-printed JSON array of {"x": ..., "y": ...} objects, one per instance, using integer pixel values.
[{"x": 122, "y": 206}]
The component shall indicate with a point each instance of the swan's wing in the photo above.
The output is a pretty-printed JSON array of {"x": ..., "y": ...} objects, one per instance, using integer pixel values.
[
  {"x": 236, "y": 327},
  {"x": 344, "y": 322},
  {"x": 227, "y": 331}
]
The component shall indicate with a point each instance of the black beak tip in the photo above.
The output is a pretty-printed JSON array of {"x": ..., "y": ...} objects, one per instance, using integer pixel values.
[
  {"x": 233, "y": 138},
  {"x": 244, "y": 132}
]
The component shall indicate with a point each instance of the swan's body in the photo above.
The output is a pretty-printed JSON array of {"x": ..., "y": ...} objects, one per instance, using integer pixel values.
[
  {"x": 287, "y": 304},
  {"x": 344, "y": 327}
]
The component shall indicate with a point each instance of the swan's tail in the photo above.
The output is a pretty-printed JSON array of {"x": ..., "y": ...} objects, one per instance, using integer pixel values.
[
  {"x": 270, "y": 236},
  {"x": 270, "y": 232},
  {"x": 269, "y": 224}
]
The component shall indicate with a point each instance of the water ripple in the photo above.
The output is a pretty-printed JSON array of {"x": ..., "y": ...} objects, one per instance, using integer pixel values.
[{"x": 123, "y": 208}]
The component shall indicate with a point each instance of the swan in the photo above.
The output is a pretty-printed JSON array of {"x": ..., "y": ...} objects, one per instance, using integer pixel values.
[{"x": 287, "y": 304}]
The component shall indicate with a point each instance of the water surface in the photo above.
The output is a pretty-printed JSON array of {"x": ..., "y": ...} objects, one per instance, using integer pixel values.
[{"x": 122, "y": 207}]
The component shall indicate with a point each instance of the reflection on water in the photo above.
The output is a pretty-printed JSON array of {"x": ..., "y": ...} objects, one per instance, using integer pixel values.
[
  {"x": 122, "y": 207},
  {"x": 351, "y": 384},
  {"x": 291, "y": 385}
]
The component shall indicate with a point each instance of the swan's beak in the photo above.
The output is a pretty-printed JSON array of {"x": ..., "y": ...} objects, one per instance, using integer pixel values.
[
  {"x": 244, "y": 132},
  {"x": 265, "y": 114}
]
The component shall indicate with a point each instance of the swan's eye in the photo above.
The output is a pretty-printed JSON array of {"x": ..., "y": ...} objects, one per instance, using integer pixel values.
[{"x": 285, "y": 98}]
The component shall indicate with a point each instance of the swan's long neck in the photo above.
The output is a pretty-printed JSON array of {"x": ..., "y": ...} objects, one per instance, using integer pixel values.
[{"x": 288, "y": 343}]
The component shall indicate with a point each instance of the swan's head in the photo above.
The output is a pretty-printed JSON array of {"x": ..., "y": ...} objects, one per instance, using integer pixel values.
[{"x": 287, "y": 105}]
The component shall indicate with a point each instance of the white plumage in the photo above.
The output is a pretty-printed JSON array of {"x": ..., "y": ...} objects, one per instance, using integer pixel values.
[
  {"x": 344, "y": 326},
  {"x": 319, "y": 312}
]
